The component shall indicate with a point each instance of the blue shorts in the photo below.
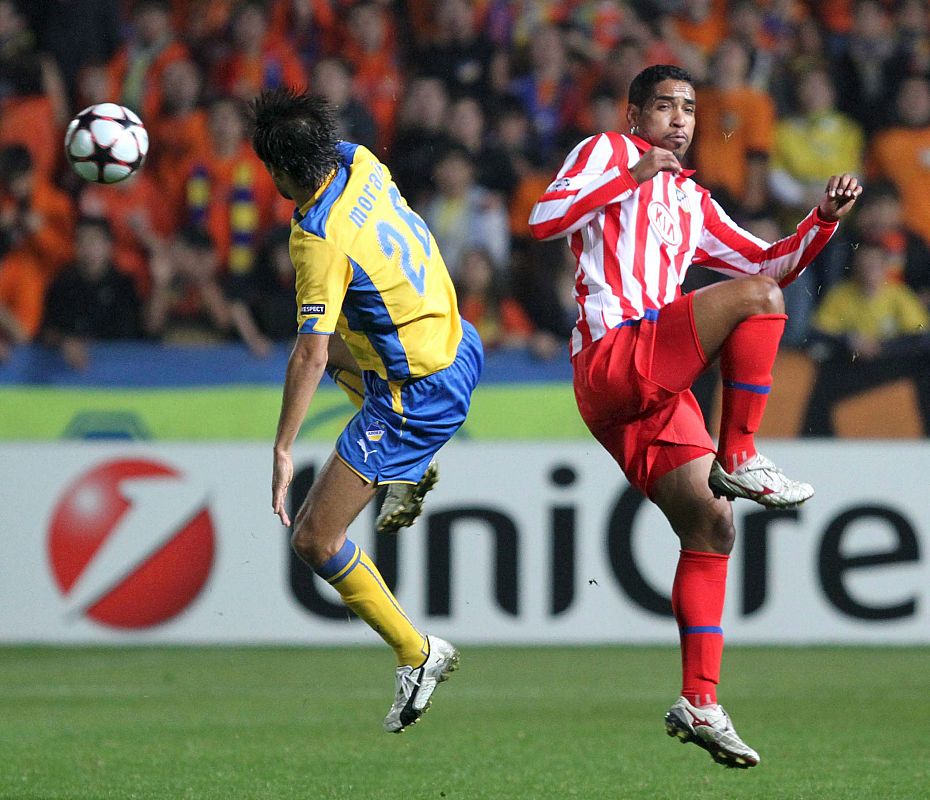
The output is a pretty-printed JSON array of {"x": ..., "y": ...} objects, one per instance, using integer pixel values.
[{"x": 402, "y": 425}]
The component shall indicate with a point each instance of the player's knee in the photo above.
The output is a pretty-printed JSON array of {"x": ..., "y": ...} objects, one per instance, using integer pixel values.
[
  {"x": 721, "y": 533},
  {"x": 767, "y": 297},
  {"x": 710, "y": 529},
  {"x": 311, "y": 545},
  {"x": 303, "y": 545}
]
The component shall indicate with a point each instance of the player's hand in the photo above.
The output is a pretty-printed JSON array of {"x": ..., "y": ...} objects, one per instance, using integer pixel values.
[
  {"x": 839, "y": 197},
  {"x": 655, "y": 160},
  {"x": 281, "y": 476}
]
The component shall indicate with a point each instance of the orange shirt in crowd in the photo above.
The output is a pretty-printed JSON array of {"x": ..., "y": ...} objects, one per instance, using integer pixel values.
[
  {"x": 709, "y": 32},
  {"x": 245, "y": 76},
  {"x": 837, "y": 15},
  {"x": 530, "y": 188},
  {"x": 22, "y": 292},
  {"x": 378, "y": 86},
  {"x": 212, "y": 183},
  {"x": 151, "y": 100},
  {"x": 421, "y": 16},
  {"x": 731, "y": 126},
  {"x": 174, "y": 142},
  {"x": 201, "y": 19},
  {"x": 510, "y": 320},
  {"x": 132, "y": 207},
  {"x": 324, "y": 22},
  {"x": 27, "y": 269},
  {"x": 30, "y": 121},
  {"x": 903, "y": 156}
]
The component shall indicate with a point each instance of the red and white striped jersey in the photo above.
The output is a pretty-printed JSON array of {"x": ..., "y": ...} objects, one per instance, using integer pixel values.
[{"x": 634, "y": 243}]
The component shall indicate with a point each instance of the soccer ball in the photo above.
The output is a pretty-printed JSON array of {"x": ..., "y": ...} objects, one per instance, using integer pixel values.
[{"x": 106, "y": 143}]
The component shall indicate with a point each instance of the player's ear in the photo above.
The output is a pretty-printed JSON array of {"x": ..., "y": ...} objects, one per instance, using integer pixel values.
[{"x": 632, "y": 117}]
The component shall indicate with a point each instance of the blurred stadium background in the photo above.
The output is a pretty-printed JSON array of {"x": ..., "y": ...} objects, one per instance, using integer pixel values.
[{"x": 166, "y": 362}]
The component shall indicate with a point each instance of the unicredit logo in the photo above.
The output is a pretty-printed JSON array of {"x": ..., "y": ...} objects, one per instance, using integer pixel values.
[{"x": 131, "y": 543}]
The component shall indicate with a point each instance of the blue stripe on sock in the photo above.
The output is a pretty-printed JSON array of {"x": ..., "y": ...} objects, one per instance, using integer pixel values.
[
  {"x": 747, "y": 387},
  {"x": 703, "y": 629},
  {"x": 338, "y": 562},
  {"x": 348, "y": 571}
]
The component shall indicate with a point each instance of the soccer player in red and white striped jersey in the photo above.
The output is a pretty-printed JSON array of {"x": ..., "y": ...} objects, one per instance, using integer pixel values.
[{"x": 636, "y": 222}]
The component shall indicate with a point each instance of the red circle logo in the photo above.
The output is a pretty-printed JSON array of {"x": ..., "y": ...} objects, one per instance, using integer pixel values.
[{"x": 131, "y": 543}]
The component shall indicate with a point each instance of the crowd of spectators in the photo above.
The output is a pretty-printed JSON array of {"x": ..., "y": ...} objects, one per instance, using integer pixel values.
[{"x": 473, "y": 104}]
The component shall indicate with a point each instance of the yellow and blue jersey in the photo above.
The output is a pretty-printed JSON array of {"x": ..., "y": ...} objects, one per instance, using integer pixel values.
[{"x": 369, "y": 268}]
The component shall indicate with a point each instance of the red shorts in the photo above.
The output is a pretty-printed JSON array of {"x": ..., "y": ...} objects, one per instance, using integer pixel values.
[{"x": 633, "y": 388}]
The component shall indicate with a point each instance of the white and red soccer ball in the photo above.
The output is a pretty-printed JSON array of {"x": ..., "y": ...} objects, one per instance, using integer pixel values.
[{"x": 106, "y": 143}]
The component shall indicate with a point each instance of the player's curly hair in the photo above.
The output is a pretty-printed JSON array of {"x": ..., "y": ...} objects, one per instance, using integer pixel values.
[
  {"x": 295, "y": 132},
  {"x": 643, "y": 86}
]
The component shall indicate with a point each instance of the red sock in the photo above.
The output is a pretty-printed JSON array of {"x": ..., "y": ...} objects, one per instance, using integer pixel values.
[
  {"x": 746, "y": 360},
  {"x": 697, "y": 600}
]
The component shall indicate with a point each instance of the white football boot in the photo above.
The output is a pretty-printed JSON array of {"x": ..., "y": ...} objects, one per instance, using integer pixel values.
[
  {"x": 404, "y": 501},
  {"x": 758, "y": 479},
  {"x": 415, "y": 685},
  {"x": 710, "y": 727}
]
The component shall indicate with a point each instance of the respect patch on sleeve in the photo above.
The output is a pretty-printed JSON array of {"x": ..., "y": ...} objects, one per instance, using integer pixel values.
[{"x": 313, "y": 308}]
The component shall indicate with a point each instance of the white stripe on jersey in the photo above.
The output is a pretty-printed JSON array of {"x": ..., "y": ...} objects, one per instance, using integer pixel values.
[
  {"x": 568, "y": 191},
  {"x": 632, "y": 288},
  {"x": 591, "y": 272}
]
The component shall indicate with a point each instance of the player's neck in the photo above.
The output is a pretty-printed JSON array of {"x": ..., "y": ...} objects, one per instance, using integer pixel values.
[{"x": 302, "y": 196}]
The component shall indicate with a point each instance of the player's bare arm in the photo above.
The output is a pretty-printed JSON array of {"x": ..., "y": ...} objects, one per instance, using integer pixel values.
[
  {"x": 839, "y": 197},
  {"x": 304, "y": 370},
  {"x": 340, "y": 357}
]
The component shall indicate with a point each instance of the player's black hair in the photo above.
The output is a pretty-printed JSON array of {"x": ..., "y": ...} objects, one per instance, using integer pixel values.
[
  {"x": 643, "y": 86},
  {"x": 295, "y": 132}
]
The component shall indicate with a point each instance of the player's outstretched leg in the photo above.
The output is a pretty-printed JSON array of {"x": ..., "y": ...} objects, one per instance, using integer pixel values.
[
  {"x": 705, "y": 528},
  {"x": 710, "y": 727},
  {"x": 746, "y": 361},
  {"x": 415, "y": 685},
  {"x": 403, "y": 502},
  {"x": 335, "y": 499}
]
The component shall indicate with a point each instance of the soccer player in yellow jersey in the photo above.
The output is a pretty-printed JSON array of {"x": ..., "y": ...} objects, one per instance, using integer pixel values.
[{"x": 374, "y": 298}]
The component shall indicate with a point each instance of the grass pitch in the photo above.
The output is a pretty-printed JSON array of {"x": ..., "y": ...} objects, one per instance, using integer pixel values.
[{"x": 242, "y": 723}]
